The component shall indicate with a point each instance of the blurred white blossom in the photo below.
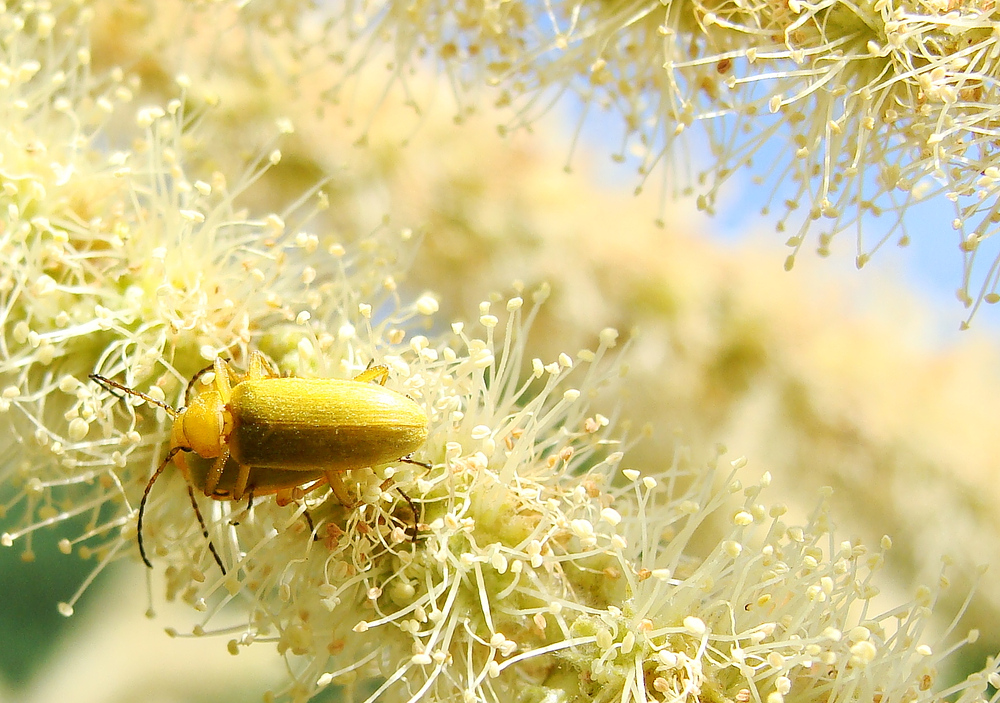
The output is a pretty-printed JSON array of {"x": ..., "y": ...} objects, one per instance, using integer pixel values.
[{"x": 847, "y": 115}]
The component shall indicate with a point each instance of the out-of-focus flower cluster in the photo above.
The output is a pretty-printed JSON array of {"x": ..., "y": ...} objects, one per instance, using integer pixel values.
[{"x": 848, "y": 114}]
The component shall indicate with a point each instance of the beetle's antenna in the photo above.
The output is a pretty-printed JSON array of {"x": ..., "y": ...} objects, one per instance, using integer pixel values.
[
  {"x": 142, "y": 503},
  {"x": 204, "y": 530},
  {"x": 132, "y": 391},
  {"x": 190, "y": 385}
]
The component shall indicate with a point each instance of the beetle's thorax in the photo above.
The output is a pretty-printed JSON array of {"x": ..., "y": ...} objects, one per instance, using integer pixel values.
[{"x": 204, "y": 426}]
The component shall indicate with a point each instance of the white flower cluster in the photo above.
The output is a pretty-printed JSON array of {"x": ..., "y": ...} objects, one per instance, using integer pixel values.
[{"x": 542, "y": 570}]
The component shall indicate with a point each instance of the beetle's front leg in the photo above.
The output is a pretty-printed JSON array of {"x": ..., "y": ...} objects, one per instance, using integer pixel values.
[
  {"x": 241, "y": 480},
  {"x": 214, "y": 475}
]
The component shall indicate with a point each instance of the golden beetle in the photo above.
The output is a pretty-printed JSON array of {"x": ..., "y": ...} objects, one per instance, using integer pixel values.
[{"x": 261, "y": 433}]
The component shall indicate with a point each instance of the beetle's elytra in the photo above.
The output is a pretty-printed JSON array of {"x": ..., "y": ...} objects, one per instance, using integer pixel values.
[
  {"x": 296, "y": 423},
  {"x": 259, "y": 433}
]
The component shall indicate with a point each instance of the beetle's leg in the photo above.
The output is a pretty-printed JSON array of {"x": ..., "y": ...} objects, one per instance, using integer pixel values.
[
  {"x": 408, "y": 459},
  {"x": 285, "y": 496},
  {"x": 336, "y": 481},
  {"x": 241, "y": 481},
  {"x": 204, "y": 530},
  {"x": 375, "y": 373},
  {"x": 246, "y": 511},
  {"x": 312, "y": 527},
  {"x": 258, "y": 367},
  {"x": 409, "y": 501},
  {"x": 214, "y": 475},
  {"x": 223, "y": 380},
  {"x": 142, "y": 503},
  {"x": 416, "y": 515}
]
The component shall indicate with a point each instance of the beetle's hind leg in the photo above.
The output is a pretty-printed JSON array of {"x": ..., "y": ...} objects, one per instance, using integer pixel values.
[
  {"x": 408, "y": 459},
  {"x": 295, "y": 494},
  {"x": 339, "y": 488},
  {"x": 413, "y": 509},
  {"x": 312, "y": 525}
]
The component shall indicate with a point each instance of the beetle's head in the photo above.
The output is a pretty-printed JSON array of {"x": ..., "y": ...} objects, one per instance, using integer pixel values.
[{"x": 202, "y": 426}]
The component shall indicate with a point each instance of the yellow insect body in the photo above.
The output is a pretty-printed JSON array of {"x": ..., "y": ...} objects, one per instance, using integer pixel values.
[
  {"x": 260, "y": 434},
  {"x": 318, "y": 426},
  {"x": 299, "y": 423}
]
